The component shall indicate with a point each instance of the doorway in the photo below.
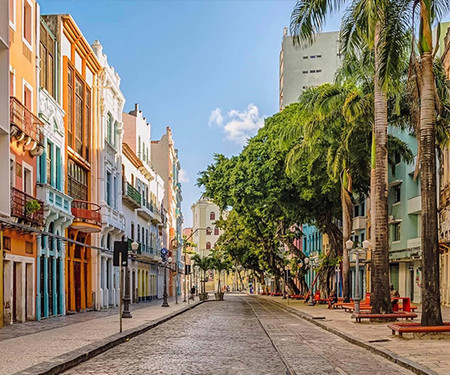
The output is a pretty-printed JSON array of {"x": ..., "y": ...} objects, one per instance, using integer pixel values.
[{"x": 77, "y": 281}]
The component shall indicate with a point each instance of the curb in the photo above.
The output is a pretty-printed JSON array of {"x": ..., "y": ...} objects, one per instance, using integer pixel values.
[
  {"x": 401, "y": 361},
  {"x": 77, "y": 356}
]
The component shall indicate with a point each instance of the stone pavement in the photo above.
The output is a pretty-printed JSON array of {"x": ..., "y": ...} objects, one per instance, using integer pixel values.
[
  {"x": 32, "y": 347},
  {"x": 430, "y": 353},
  {"x": 241, "y": 335}
]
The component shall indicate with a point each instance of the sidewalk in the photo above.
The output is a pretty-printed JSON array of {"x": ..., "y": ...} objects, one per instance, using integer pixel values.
[
  {"x": 429, "y": 354},
  {"x": 37, "y": 347}
]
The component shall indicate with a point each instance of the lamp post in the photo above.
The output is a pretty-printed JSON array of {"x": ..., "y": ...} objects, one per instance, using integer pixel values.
[
  {"x": 286, "y": 278},
  {"x": 126, "y": 299},
  {"x": 349, "y": 245},
  {"x": 165, "y": 303}
]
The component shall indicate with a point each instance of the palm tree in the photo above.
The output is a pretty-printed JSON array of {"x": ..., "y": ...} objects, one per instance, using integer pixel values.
[
  {"x": 219, "y": 264},
  {"x": 367, "y": 21},
  {"x": 204, "y": 263},
  {"x": 430, "y": 11}
]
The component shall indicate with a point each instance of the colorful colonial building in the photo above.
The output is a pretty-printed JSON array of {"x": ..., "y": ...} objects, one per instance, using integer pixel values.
[
  {"x": 26, "y": 144},
  {"x": 79, "y": 70},
  {"x": 109, "y": 178}
]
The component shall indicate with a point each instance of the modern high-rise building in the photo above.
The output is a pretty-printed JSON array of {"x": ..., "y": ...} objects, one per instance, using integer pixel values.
[{"x": 306, "y": 66}]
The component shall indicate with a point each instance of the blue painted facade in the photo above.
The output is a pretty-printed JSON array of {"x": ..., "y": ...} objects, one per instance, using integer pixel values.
[
  {"x": 50, "y": 283},
  {"x": 312, "y": 247}
]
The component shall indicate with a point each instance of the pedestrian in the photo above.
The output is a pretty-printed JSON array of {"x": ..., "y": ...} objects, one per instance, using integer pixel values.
[
  {"x": 332, "y": 299},
  {"x": 192, "y": 292},
  {"x": 394, "y": 299}
]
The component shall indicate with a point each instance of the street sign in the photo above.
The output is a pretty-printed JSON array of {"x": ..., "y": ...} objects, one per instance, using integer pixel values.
[
  {"x": 120, "y": 247},
  {"x": 164, "y": 251}
]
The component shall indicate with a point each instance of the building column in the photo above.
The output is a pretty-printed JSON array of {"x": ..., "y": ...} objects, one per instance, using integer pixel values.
[
  {"x": 45, "y": 291},
  {"x": 54, "y": 286}
]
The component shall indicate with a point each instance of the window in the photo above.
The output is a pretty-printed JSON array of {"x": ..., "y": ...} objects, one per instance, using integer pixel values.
[
  {"x": 305, "y": 72},
  {"x": 397, "y": 194},
  {"x": 27, "y": 23},
  {"x": 28, "y": 247},
  {"x": 12, "y": 13},
  {"x": 49, "y": 162},
  {"x": 216, "y": 231},
  {"x": 27, "y": 95},
  {"x": 138, "y": 233},
  {"x": 58, "y": 182},
  {"x": 208, "y": 245},
  {"x": 397, "y": 157},
  {"x": 11, "y": 83},
  {"x": 77, "y": 181},
  {"x": 6, "y": 243},
  {"x": 108, "y": 189},
  {"x": 47, "y": 52},
  {"x": 312, "y": 71},
  {"x": 109, "y": 130},
  {"x": 78, "y": 113},
  {"x": 305, "y": 57},
  {"x": 115, "y": 194},
  {"x": 319, "y": 71},
  {"x": 312, "y": 56},
  {"x": 27, "y": 181},
  {"x": 116, "y": 130},
  {"x": 396, "y": 232},
  {"x": 132, "y": 231},
  {"x": 212, "y": 216},
  {"x": 318, "y": 56}
]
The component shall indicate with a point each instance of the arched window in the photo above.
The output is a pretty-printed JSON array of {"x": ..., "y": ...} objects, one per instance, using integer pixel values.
[
  {"x": 216, "y": 231},
  {"x": 212, "y": 216},
  {"x": 208, "y": 246}
]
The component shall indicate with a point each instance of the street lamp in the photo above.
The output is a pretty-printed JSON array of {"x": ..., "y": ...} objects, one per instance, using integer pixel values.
[
  {"x": 357, "y": 251},
  {"x": 126, "y": 299},
  {"x": 165, "y": 303}
]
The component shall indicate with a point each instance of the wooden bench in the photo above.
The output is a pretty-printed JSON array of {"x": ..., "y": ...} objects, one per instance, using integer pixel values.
[
  {"x": 362, "y": 307},
  {"x": 365, "y": 315},
  {"x": 402, "y": 328}
]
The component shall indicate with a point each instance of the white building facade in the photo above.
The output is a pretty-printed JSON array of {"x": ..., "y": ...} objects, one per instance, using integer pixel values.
[{"x": 109, "y": 178}]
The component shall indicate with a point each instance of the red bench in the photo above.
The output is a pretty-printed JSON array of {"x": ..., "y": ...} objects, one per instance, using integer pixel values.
[
  {"x": 402, "y": 328},
  {"x": 399, "y": 315},
  {"x": 318, "y": 299},
  {"x": 276, "y": 294},
  {"x": 296, "y": 296}
]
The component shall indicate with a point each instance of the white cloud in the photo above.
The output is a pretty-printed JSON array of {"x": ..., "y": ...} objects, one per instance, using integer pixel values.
[
  {"x": 238, "y": 126},
  {"x": 182, "y": 176},
  {"x": 215, "y": 118}
]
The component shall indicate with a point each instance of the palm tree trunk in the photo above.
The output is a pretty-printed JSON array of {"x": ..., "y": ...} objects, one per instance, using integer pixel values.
[
  {"x": 380, "y": 298},
  {"x": 346, "y": 231},
  {"x": 431, "y": 304}
]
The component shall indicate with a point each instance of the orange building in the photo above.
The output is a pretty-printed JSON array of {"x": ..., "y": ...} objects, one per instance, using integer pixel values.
[
  {"x": 19, "y": 241},
  {"x": 79, "y": 75}
]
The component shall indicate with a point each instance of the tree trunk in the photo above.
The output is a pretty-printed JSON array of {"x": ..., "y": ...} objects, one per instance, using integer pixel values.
[
  {"x": 346, "y": 232},
  {"x": 431, "y": 304},
  {"x": 380, "y": 298}
]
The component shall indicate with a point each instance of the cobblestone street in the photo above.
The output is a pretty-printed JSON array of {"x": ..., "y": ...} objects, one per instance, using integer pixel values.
[{"x": 242, "y": 335}]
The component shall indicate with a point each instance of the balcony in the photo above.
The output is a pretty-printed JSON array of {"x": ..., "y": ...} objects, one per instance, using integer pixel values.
[
  {"x": 112, "y": 217},
  {"x": 146, "y": 210},
  {"x": 26, "y": 128},
  {"x": 131, "y": 197},
  {"x": 415, "y": 205},
  {"x": 87, "y": 216},
  {"x": 27, "y": 208},
  {"x": 359, "y": 223},
  {"x": 54, "y": 198}
]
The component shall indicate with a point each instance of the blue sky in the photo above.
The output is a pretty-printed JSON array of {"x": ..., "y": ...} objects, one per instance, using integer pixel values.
[{"x": 208, "y": 69}]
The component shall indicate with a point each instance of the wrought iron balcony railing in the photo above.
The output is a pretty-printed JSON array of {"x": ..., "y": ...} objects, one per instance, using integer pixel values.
[
  {"x": 27, "y": 208},
  {"x": 25, "y": 122},
  {"x": 87, "y": 212},
  {"x": 131, "y": 195}
]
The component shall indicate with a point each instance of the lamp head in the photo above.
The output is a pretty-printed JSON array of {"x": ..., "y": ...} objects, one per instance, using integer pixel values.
[
  {"x": 349, "y": 244},
  {"x": 134, "y": 246},
  {"x": 169, "y": 259},
  {"x": 366, "y": 244}
]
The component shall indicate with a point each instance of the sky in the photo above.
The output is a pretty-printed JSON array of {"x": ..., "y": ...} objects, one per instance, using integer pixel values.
[{"x": 208, "y": 69}]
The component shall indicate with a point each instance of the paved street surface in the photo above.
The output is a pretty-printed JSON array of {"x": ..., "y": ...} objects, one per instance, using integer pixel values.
[
  {"x": 242, "y": 335},
  {"x": 29, "y": 344},
  {"x": 429, "y": 352}
]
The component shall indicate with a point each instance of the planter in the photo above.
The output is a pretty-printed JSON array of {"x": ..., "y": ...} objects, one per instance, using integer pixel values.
[
  {"x": 219, "y": 296},
  {"x": 203, "y": 296}
]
